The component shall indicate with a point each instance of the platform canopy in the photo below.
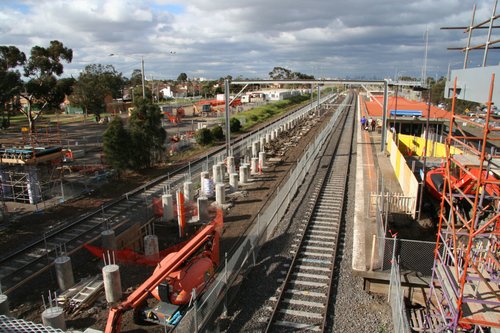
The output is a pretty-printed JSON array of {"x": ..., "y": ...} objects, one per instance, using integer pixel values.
[{"x": 406, "y": 113}]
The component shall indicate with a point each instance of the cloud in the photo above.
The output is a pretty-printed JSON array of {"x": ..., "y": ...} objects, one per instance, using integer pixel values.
[{"x": 353, "y": 38}]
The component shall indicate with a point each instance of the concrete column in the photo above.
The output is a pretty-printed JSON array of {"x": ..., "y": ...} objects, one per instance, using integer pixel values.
[
  {"x": 168, "y": 207},
  {"x": 220, "y": 193},
  {"x": 54, "y": 317},
  {"x": 4, "y": 305},
  {"x": 254, "y": 167},
  {"x": 276, "y": 133},
  {"x": 272, "y": 135},
  {"x": 215, "y": 173},
  {"x": 108, "y": 239},
  {"x": 262, "y": 159},
  {"x": 244, "y": 174},
  {"x": 233, "y": 181},
  {"x": 64, "y": 272},
  {"x": 268, "y": 138},
  {"x": 188, "y": 191},
  {"x": 262, "y": 143},
  {"x": 255, "y": 148},
  {"x": 151, "y": 248},
  {"x": 230, "y": 164},
  {"x": 203, "y": 175},
  {"x": 222, "y": 171},
  {"x": 112, "y": 283},
  {"x": 203, "y": 209}
]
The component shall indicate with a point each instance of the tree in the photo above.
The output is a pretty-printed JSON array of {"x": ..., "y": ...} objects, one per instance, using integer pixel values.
[
  {"x": 136, "y": 78},
  {"x": 234, "y": 125},
  {"x": 182, "y": 77},
  {"x": 217, "y": 133},
  {"x": 147, "y": 135},
  {"x": 10, "y": 78},
  {"x": 116, "y": 145},
  {"x": 41, "y": 70},
  {"x": 280, "y": 73},
  {"x": 93, "y": 85},
  {"x": 204, "y": 136}
]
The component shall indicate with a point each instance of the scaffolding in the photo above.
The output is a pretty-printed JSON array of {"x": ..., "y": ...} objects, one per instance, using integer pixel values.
[
  {"x": 29, "y": 171},
  {"x": 464, "y": 292},
  {"x": 466, "y": 273}
]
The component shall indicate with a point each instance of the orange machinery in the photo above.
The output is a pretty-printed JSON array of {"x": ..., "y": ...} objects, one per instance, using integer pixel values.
[
  {"x": 173, "y": 280},
  {"x": 466, "y": 182}
]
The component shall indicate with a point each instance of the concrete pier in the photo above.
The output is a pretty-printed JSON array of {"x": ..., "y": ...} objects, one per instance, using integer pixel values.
[
  {"x": 230, "y": 164},
  {"x": 112, "y": 283},
  {"x": 168, "y": 207},
  {"x": 54, "y": 317},
  {"x": 64, "y": 272},
  {"x": 268, "y": 138},
  {"x": 203, "y": 209},
  {"x": 151, "y": 248},
  {"x": 262, "y": 160},
  {"x": 255, "y": 148},
  {"x": 4, "y": 305},
  {"x": 244, "y": 174},
  {"x": 220, "y": 193},
  {"x": 216, "y": 173},
  {"x": 108, "y": 239},
  {"x": 188, "y": 191},
  {"x": 233, "y": 181},
  {"x": 262, "y": 143},
  {"x": 254, "y": 167}
]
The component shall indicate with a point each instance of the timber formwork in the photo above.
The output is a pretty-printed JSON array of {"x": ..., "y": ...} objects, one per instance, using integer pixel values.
[{"x": 466, "y": 274}]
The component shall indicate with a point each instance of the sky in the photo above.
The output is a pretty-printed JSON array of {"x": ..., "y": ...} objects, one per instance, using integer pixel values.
[{"x": 355, "y": 39}]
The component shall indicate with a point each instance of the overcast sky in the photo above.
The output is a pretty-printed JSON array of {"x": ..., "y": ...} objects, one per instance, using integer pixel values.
[{"x": 214, "y": 38}]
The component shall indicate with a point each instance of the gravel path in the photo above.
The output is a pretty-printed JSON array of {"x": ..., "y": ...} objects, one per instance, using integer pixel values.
[{"x": 353, "y": 310}]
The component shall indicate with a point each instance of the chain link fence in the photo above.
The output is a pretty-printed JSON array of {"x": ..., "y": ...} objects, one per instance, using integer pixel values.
[{"x": 414, "y": 255}]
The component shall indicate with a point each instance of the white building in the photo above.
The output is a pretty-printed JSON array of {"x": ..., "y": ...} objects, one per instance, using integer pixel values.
[{"x": 167, "y": 92}]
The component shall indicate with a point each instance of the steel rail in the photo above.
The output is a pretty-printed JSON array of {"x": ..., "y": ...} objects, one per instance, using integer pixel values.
[{"x": 308, "y": 281}]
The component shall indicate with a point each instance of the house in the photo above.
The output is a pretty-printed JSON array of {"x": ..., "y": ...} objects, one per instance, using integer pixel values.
[{"x": 167, "y": 92}]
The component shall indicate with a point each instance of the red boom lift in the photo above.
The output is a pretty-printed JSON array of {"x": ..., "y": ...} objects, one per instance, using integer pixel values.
[{"x": 173, "y": 280}]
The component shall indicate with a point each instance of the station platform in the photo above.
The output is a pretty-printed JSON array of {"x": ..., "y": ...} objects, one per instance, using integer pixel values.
[{"x": 374, "y": 174}]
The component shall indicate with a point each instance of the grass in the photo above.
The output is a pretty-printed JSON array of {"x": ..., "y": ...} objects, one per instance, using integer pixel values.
[
  {"x": 20, "y": 120},
  {"x": 262, "y": 113}
]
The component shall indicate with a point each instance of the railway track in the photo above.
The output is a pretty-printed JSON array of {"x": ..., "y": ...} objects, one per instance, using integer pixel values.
[
  {"x": 303, "y": 299},
  {"x": 23, "y": 264}
]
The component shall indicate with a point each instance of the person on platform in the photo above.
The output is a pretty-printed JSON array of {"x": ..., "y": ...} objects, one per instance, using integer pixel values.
[
  {"x": 373, "y": 124},
  {"x": 363, "y": 122}
]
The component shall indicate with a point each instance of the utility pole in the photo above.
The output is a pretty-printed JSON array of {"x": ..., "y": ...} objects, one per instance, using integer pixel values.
[{"x": 142, "y": 76}]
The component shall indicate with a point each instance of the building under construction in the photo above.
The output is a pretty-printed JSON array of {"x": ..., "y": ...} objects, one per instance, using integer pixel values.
[
  {"x": 465, "y": 293},
  {"x": 29, "y": 170}
]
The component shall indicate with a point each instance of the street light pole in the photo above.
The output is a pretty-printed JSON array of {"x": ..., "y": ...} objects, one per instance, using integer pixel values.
[{"x": 142, "y": 76}]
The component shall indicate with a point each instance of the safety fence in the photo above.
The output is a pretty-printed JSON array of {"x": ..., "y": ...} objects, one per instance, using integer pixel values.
[
  {"x": 393, "y": 202},
  {"x": 414, "y": 255},
  {"x": 222, "y": 289},
  {"x": 396, "y": 299}
]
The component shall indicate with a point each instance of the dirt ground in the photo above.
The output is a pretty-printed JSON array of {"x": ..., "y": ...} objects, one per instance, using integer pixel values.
[{"x": 26, "y": 303}]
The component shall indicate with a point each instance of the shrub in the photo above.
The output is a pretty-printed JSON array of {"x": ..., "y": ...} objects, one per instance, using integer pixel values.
[
  {"x": 217, "y": 133},
  {"x": 234, "y": 125},
  {"x": 204, "y": 136}
]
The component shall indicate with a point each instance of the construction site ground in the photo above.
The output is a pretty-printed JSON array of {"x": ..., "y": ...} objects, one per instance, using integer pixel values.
[{"x": 26, "y": 302}]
